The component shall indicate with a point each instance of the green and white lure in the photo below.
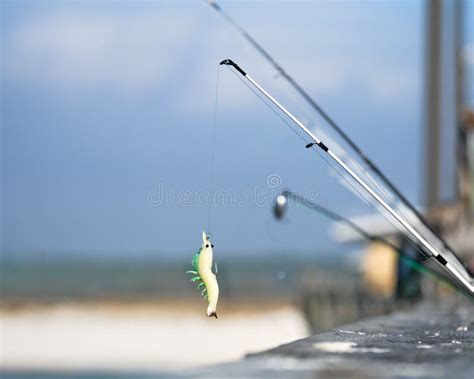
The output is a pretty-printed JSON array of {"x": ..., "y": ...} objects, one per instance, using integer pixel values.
[{"x": 202, "y": 268}]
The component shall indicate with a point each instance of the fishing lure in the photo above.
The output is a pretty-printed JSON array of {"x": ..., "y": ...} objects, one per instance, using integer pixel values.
[{"x": 202, "y": 268}]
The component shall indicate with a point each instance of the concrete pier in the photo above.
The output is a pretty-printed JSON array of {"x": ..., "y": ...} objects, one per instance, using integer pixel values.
[{"x": 430, "y": 341}]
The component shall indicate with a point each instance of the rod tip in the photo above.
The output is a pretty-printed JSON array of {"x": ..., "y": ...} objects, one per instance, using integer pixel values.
[{"x": 230, "y": 62}]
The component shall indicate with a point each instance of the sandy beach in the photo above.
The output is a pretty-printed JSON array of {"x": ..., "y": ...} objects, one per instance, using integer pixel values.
[{"x": 161, "y": 336}]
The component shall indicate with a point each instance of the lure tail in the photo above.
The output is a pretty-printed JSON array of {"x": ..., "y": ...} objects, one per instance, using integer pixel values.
[{"x": 211, "y": 312}]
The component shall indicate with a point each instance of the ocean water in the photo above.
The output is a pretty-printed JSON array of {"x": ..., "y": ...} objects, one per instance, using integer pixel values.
[{"x": 56, "y": 280}]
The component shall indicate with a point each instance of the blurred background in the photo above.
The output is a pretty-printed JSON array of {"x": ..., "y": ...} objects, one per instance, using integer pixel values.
[{"x": 107, "y": 127}]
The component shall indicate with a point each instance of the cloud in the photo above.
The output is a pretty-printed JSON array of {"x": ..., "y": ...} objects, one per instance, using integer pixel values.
[
  {"x": 79, "y": 47},
  {"x": 148, "y": 48},
  {"x": 388, "y": 84}
]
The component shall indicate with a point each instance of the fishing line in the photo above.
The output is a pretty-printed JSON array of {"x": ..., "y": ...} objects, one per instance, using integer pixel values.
[
  {"x": 370, "y": 202},
  {"x": 376, "y": 207},
  {"x": 275, "y": 112},
  {"x": 213, "y": 151},
  {"x": 269, "y": 106},
  {"x": 411, "y": 262},
  {"x": 453, "y": 265},
  {"x": 356, "y": 188},
  {"x": 323, "y": 146}
]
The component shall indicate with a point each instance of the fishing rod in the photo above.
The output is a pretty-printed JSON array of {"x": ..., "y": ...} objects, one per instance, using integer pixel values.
[
  {"x": 280, "y": 206},
  {"x": 281, "y": 203},
  {"x": 340, "y": 163},
  {"x": 332, "y": 123}
]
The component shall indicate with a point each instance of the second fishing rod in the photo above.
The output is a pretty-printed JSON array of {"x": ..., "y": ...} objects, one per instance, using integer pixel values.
[{"x": 281, "y": 205}]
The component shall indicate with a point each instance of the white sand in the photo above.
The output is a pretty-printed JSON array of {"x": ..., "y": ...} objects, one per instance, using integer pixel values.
[{"x": 79, "y": 337}]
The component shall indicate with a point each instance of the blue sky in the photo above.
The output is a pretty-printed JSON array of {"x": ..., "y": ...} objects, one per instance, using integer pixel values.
[{"x": 106, "y": 104}]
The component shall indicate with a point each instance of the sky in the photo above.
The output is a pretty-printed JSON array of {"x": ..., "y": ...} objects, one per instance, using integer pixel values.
[{"x": 108, "y": 115}]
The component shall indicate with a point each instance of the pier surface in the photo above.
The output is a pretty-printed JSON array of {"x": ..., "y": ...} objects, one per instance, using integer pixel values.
[{"x": 430, "y": 341}]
